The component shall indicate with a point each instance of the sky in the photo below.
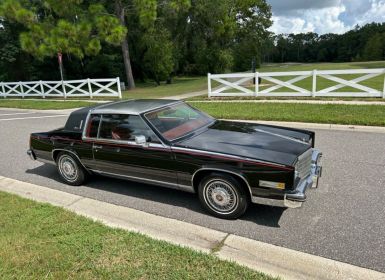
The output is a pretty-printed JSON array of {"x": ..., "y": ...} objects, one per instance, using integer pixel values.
[{"x": 324, "y": 16}]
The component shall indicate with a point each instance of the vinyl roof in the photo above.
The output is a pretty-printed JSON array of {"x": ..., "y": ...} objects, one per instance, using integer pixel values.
[{"x": 135, "y": 107}]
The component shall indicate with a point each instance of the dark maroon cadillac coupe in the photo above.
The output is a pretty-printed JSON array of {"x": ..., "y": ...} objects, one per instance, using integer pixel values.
[{"x": 170, "y": 144}]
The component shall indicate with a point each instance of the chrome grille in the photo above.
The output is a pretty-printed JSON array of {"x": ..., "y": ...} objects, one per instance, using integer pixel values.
[{"x": 303, "y": 165}]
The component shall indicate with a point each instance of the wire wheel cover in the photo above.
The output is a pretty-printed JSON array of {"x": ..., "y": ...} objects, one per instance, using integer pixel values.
[
  {"x": 68, "y": 168},
  {"x": 221, "y": 196}
]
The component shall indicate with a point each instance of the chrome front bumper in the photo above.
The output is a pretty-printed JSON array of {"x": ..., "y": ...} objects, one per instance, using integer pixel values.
[{"x": 295, "y": 198}]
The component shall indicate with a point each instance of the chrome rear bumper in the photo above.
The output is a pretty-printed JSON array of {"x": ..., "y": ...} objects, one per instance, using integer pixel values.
[{"x": 31, "y": 154}]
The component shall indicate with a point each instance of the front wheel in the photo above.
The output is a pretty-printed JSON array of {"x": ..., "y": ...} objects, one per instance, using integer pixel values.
[
  {"x": 223, "y": 196},
  {"x": 70, "y": 169}
]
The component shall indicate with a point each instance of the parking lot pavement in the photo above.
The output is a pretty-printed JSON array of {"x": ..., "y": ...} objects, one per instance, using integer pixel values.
[{"x": 343, "y": 219}]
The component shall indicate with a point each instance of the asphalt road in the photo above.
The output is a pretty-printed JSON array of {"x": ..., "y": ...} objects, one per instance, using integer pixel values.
[{"x": 344, "y": 219}]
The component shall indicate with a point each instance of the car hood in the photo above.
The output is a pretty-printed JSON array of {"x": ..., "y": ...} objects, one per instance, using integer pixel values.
[{"x": 263, "y": 142}]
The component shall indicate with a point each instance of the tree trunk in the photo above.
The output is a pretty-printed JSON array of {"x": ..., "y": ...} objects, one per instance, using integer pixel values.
[{"x": 119, "y": 9}]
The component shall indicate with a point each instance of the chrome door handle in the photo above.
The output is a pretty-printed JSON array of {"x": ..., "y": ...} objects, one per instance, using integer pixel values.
[{"x": 97, "y": 147}]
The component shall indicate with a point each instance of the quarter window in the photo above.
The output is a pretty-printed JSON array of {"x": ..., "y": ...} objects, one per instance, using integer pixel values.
[
  {"x": 125, "y": 128},
  {"x": 92, "y": 130}
]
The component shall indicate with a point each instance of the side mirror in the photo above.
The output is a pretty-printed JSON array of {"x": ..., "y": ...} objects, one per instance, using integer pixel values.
[{"x": 140, "y": 140}]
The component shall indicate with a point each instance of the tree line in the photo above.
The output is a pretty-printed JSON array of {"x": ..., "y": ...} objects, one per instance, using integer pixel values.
[
  {"x": 158, "y": 39},
  {"x": 366, "y": 43},
  {"x": 145, "y": 39}
]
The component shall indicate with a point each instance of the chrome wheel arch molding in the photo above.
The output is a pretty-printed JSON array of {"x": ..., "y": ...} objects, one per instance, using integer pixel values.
[
  {"x": 223, "y": 171},
  {"x": 68, "y": 151}
]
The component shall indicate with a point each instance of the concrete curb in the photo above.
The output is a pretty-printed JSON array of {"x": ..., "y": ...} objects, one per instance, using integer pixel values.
[
  {"x": 357, "y": 128},
  {"x": 290, "y": 264},
  {"x": 267, "y": 258}
]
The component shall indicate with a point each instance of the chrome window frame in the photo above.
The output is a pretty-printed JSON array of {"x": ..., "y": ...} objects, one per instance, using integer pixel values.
[{"x": 114, "y": 141}]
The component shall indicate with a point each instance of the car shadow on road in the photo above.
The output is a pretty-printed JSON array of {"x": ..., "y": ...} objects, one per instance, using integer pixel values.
[{"x": 259, "y": 214}]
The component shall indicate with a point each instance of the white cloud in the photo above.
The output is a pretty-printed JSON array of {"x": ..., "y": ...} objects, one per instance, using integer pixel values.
[
  {"x": 290, "y": 25},
  {"x": 330, "y": 16},
  {"x": 375, "y": 13}
]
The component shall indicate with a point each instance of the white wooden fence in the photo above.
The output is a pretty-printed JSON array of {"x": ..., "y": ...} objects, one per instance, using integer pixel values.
[
  {"x": 241, "y": 84},
  {"x": 73, "y": 88}
]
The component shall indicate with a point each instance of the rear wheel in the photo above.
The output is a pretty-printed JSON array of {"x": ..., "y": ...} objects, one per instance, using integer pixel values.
[
  {"x": 223, "y": 196},
  {"x": 70, "y": 169}
]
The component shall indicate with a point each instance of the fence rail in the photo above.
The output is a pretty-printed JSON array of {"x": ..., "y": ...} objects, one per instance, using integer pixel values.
[
  {"x": 70, "y": 88},
  {"x": 320, "y": 83}
]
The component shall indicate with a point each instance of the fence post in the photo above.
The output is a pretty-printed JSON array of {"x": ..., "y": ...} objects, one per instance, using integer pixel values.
[
  {"x": 42, "y": 88},
  {"x": 89, "y": 87},
  {"x": 256, "y": 78},
  {"x": 383, "y": 91},
  {"x": 209, "y": 84},
  {"x": 314, "y": 87},
  {"x": 21, "y": 89},
  {"x": 3, "y": 89},
  {"x": 119, "y": 89},
  {"x": 64, "y": 89}
]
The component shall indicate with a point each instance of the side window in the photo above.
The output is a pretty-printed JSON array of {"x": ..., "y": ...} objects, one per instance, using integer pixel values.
[
  {"x": 93, "y": 126},
  {"x": 125, "y": 128}
]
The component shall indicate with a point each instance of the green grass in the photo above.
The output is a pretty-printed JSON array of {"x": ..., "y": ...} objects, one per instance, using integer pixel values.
[
  {"x": 315, "y": 113},
  {"x": 43, "y": 104},
  {"x": 39, "y": 241},
  {"x": 281, "y": 67},
  {"x": 295, "y": 112},
  {"x": 247, "y": 98},
  {"x": 179, "y": 86}
]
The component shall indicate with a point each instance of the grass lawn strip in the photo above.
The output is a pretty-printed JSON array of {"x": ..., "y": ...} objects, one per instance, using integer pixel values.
[
  {"x": 44, "y": 104},
  {"x": 39, "y": 241},
  {"x": 373, "y": 115}
]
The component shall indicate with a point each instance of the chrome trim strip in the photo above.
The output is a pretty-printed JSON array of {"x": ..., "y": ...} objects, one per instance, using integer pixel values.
[
  {"x": 228, "y": 155},
  {"x": 128, "y": 143},
  {"x": 281, "y": 136},
  {"x": 171, "y": 185},
  {"x": 31, "y": 154},
  {"x": 162, "y": 106},
  {"x": 86, "y": 124},
  {"x": 225, "y": 171},
  {"x": 267, "y": 201}
]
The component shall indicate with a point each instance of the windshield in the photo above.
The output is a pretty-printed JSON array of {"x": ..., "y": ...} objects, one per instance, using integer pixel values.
[{"x": 177, "y": 120}]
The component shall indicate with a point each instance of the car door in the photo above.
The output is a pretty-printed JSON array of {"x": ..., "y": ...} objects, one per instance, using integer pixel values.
[{"x": 116, "y": 152}]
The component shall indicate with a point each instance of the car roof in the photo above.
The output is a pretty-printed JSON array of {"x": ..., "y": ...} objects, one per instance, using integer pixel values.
[{"x": 133, "y": 107}]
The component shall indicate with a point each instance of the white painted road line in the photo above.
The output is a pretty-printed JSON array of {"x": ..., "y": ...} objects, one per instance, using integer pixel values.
[
  {"x": 28, "y": 118},
  {"x": 11, "y": 114},
  {"x": 267, "y": 258}
]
